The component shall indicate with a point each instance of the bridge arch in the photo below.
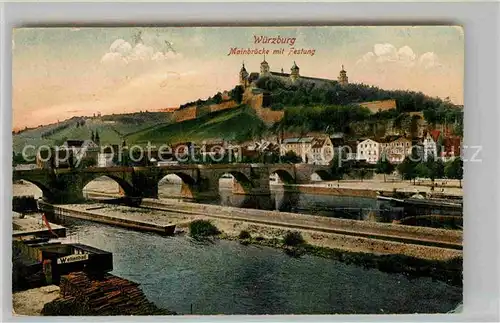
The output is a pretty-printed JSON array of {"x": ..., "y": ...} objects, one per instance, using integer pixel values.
[
  {"x": 47, "y": 193},
  {"x": 284, "y": 175},
  {"x": 127, "y": 188},
  {"x": 241, "y": 182},
  {"x": 187, "y": 187},
  {"x": 323, "y": 174}
]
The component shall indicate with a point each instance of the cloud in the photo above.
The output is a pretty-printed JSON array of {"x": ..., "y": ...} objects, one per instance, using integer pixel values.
[
  {"x": 113, "y": 58},
  {"x": 120, "y": 46},
  {"x": 388, "y": 54},
  {"x": 122, "y": 52},
  {"x": 385, "y": 53},
  {"x": 406, "y": 56},
  {"x": 366, "y": 58},
  {"x": 429, "y": 60}
]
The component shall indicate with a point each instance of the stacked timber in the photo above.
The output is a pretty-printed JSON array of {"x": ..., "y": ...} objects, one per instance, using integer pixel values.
[{"x": 82, "y": 294}]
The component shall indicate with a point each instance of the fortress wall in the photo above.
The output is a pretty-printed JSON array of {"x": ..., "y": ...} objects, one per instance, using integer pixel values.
[
  {"x": 185, "y": 114},
  {"x": 203, "y": 110},
  {"x": 222, "y": 106},
  {"x": 376, "y": 106},
  {"x": 267, "y": 115}
]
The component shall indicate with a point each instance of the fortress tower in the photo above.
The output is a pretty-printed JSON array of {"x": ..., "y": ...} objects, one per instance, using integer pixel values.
[
  {"x": 295, "y": 72},
  {"x": 343, "y": 80},
  {"x": 243, "y": 76},
  {"x": 264, "y": 68}
]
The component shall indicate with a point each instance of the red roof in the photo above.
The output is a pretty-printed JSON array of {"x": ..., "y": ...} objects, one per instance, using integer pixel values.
[{"x": 435, "y": 134}]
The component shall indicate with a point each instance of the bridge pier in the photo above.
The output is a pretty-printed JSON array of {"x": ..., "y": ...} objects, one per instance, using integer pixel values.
[
  {"x": 201, "y": 191},
  {"x": 257, "y": 191},
  {"x": 65, "y": 197}
]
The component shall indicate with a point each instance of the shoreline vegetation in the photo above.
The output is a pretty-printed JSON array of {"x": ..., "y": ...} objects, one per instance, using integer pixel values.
[{"x": 293, "y": 244}]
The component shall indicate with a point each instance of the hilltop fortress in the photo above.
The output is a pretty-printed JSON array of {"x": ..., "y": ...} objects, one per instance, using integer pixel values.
[
  {"x": 249, "y": 79},
  {"x": 255, "y": 97}
]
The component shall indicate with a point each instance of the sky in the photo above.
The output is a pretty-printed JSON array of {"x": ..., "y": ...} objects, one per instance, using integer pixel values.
[{"x": 63, "y": 72}]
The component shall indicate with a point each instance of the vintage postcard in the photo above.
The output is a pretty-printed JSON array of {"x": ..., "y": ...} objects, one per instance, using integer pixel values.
[{"x": 237, "y": 170}]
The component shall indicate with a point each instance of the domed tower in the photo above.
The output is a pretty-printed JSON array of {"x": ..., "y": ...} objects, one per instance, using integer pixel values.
[
  {"x": 243, "y": 76},
  {"x": 343, "y": 80},
  {"x": 295, "y": 72},
  {"x": 264, "y": 68}
]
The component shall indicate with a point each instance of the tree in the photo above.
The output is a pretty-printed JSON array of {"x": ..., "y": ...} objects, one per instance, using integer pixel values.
[
  {"x": 384, "y": 166},
  {"x": 458, "y": 129},
  {"x": 97, "y": 139},
  {"x": 435, "y": 168},
  {"x": 362, "y": 173},
  {"x": 421, "y": 170},
  {"x": 454, "y": 169},
  {"x": 407, "y": 168},
  {"x": 237, "y": 93},
  {"x": 337, "y": 169},
  {"x": 92, "y": 136},
  {"x": 440, "y": 145},
  {"x": 217, "y": 99},
  {"x": 291, "y": 157}
]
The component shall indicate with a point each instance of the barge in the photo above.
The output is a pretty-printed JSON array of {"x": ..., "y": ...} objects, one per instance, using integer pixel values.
[
  {"x": 423, "y": 206},
  {"x": 49, "y": 260}
]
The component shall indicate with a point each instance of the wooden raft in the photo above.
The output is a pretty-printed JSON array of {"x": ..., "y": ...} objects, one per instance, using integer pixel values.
[{"x": 106, "y": 295}]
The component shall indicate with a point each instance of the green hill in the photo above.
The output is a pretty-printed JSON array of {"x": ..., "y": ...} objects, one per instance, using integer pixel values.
[
  {"x": 111, "y": 128},
  {"x": 238, "y": 124}
]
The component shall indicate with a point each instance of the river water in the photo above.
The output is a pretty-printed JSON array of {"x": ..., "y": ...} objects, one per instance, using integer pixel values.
[{"x": 225, "y": 277}]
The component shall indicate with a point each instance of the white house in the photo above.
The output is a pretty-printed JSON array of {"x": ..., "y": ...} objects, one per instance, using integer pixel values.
[
  {"x": 430, "y": 144},
  {"x": 369, "y": 150}
]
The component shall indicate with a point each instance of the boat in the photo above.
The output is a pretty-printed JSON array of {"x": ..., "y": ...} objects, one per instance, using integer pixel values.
[
  {"x": 55, "y": 259},
  {"x": 422, "y": 206}
]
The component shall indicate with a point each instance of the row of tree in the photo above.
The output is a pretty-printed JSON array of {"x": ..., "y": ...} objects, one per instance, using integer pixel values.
[
  {"x": 54, "y": 130},
  {"x": 303, "y": 92},
  {"x": 216, "y": 99},
  {"x": 411, "y": 168},
  {"x": 94, "y": 136}
]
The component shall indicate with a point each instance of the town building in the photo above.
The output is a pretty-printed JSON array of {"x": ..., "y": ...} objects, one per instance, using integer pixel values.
[
  {"x": 430, "y": 144},
  {"x": 369, "y": 150},
  {"x": 451, "y": 148},
  {"x": 321, "y": 151},
  {"x": 396, "y": 150},
  {"x": 108, "y": 156},
  {"x": 311, "y": 150}
]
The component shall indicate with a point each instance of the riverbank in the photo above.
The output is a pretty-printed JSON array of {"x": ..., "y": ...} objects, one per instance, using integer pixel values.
[
  {"x": 31, "y": 301},
  {"x": 390, "y": 247},
  {"x": 448, "y": 271},
  {"x": 372, "y": 188}
]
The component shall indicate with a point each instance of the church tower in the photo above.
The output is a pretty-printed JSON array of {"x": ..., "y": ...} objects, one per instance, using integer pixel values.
[
  {"x": 243, "y": 76},
  {"x": 295, "y": 72},
  {"x": 343, "y": 80},
  {"x": 264, "y": 68}
]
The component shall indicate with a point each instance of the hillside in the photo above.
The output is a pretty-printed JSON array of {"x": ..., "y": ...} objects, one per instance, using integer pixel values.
[
  {"x": 111, "y": 128},
  {"x": 238, "y": 124}
]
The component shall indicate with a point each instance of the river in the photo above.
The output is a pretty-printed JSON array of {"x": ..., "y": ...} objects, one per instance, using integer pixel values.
[{"x": 225, "y": 277}]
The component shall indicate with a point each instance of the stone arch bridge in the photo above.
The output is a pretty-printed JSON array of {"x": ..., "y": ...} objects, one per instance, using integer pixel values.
[{"x": 199, "y": 182}]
